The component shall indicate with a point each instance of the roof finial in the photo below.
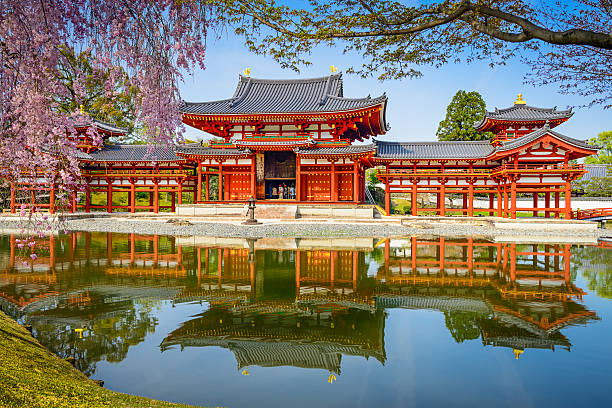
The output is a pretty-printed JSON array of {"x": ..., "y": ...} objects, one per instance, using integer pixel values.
[
  {"x": 333, "y": 69},
  {"x": 247, "y": 72},
  {"x": 519, "y": 100}
]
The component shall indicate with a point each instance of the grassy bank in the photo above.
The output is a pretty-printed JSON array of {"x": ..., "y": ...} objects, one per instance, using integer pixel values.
[{"x": 31, "y": 376}]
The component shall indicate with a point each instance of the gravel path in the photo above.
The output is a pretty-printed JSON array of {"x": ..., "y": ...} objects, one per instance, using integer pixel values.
[{"x": 313, "y": 229}]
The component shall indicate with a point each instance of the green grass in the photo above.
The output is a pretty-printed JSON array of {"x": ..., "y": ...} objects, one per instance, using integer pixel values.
[{"x": 31, "y": 376}]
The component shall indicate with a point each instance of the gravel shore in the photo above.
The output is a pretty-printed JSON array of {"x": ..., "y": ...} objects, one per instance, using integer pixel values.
[{"x": 321, "y": 229}]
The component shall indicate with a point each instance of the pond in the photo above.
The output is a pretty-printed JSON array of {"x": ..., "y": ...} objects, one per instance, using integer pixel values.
[{"x": 354, "y": 322}]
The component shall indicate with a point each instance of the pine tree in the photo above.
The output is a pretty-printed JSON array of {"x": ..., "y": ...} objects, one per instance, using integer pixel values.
[{"x": 465, "y": 110}]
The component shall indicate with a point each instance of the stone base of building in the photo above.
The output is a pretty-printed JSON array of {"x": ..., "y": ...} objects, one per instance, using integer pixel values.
[{"x": 279, "y": 211}]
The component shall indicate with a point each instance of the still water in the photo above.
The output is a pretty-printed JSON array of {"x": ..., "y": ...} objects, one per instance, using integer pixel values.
[{"x": 314, "y": 322}]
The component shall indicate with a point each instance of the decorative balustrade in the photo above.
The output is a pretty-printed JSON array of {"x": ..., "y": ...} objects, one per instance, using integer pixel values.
[
  {"x": 137, "y": 173},
  {"x": 534, "y": 168}
]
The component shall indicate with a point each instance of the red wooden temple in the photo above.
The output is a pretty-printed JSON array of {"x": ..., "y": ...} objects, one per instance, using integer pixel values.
[{"x": 298, "y": 141}]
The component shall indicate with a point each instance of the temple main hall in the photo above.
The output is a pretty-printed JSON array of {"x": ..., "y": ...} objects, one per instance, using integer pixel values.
[{"x": 301, "y": 141}]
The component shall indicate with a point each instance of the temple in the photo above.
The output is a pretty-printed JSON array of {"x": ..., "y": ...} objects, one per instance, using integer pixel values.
[{"x": 301, "y": 141}]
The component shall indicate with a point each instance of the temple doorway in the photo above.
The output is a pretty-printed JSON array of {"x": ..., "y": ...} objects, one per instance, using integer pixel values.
[{"x": 279, "y": 175}]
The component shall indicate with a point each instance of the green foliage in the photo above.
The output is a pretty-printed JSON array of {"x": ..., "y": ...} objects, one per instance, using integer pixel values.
[
  {"x": 595, "y": 186},
  {"x": 462, "y": 325},
  {"x": 465, "y": 110},
  {"x": 401, "y": 206},
  {"x": 371, "y": 177},
  {"x": 604, "y": 142},
  {"x": 86, "y": 86}
]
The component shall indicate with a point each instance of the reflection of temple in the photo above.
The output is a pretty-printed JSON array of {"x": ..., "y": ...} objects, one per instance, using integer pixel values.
[
  {"x": 519, "y": 296},
  {"x": 303, "y": 305}
]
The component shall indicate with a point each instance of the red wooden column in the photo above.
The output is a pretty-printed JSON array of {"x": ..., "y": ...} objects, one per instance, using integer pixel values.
[
  {"x": 52, "y": 199},
  {"x": 220, "y": 183},
  {"x": 500, "y": 203},
  {"x": 253, "y": 177},
  {"x": 506, "y": 211},
  {"x": 557, "y": 203},
  {"x": 442, "y": 256},
  {"x": 198, "y": 197},
  {"x": 109, "y": 196},
  {"x": 387, "y": 193},
  {"x": 442, "y": 199},
  {"x": 173, "y": 194},
  {"x": 132, "y": 196},
  {"x": 72, "y": 204},
  {"x": 413, "y": 200},
  {"x": 491, "y": 203},
  {"x": 471, "y": 198},
  {"x": 199, "y": 256},
  {"x": 568, "y": 200},
  {"x": 547, "y": 203},
  {"x": 333, "y": 257},
  {"x": 465, "y": 203},
  {"x": 180, "y": 192},
  {"x": 513, "y": 199},
  {"x": 355, "y": 181},
  {"x": 155, "y": 196},
  {"x": 513, "y": 262},
  {"x": 13, "y": 201},
  {"x": 334, "y": 181},
  {"x": 535, "y": 204},
  {"x": 298, "y": 179}
]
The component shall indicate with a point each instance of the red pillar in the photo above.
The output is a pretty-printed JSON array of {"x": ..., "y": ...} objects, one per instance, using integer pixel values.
[
  {"x": 355, "y": 268},
  {"x": 109, "y": 196},
  {"x": 220, "y": 183},
  {"x": 198, "y": 197},
  {"x": 356, "y": 182},
  {"x": 13, "y": 200},
  {"x": 298, "y": 268},
  {"x": 387, "y": 196},
  {"x": 442, "y": 199},
  {"x": 413, "y": 201},
  {"x": 132, "y": 196},
  {"x": 568, "y": 200},
  {"x": 513, "y": 200},
  {"x": 500, "y": 203},
  {"x": 253, "y": 177},
  {"x": 155, "y": 196},
  {"x": 334, "y": 182},
  {"x": 471, "y": 199},
  {"x": 180, "y": 192},
  {"x": 547, "y": 203},
  {"x": 491, "y": 203},
  {"x": 557, "y": 203},
  {"x": 535, "y": 204},
  {"x": 52, "y": 199},
  {"x": 173, "y": 194}
]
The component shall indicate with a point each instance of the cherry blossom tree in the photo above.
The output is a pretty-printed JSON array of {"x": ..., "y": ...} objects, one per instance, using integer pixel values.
[{"x": 148, "y": 44}]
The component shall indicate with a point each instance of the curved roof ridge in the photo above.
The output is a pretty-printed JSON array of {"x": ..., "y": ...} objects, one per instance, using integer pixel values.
[
  {"x": 292, "y": 80},
  {"x": 547, "y": 110},
  {"x": 367, "y": 98},
  {"x": 437, "y": 142},
  {"x": 237, "y": 99}
]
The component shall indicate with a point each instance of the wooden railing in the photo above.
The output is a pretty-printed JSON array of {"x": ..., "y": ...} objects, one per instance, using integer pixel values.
[
  {"x": 137, "y": 173},
  {"x": 592, "y": 213},
  {"x": 534, "y": 168},
  {"x": 435, "y": 172}
]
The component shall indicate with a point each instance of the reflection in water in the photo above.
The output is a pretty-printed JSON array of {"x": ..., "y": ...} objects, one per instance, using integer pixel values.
[{"x": 288, "y": 302}]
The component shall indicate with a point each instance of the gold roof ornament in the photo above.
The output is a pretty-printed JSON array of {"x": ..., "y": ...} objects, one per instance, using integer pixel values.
[
  {"x": 247, "y": 72},
  {"x": 331, "y": 377},
  {"x": 245, "y": 372},
  {"x": 80, "y": 331},
  {"x": 519, "y": 100},
  {"x": 517, "y": 353},
  {"x": 333, "y": 69}
]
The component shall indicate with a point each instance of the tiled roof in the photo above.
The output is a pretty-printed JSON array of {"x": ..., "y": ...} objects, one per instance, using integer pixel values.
[
  {"x": 596, "y": 170},
  {"x": 434, "y": 150},
  {"x": 254, "y": 95},
  {"x": 197, "y": 149},
  {"x": 523, "y": 140},
  {"x": 104, "y": 126},
  {"x": 354, "y": 149},
  {"x": 133, "y": 153},
  {"x": 526, "y": 113}
]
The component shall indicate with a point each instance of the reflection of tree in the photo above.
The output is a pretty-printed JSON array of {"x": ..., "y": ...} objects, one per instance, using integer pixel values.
[
  {"x": 595, "y": 264},
  {"x": 462, "y": 325},
  {"x": 108, "y": 334}
]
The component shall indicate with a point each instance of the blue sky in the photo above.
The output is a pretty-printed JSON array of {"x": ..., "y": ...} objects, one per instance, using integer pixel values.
[{"x": 415, "y": 107}]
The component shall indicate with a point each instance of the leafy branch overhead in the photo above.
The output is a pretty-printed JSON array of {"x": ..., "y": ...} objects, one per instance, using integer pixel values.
[{"x": 568, "y": 43}]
